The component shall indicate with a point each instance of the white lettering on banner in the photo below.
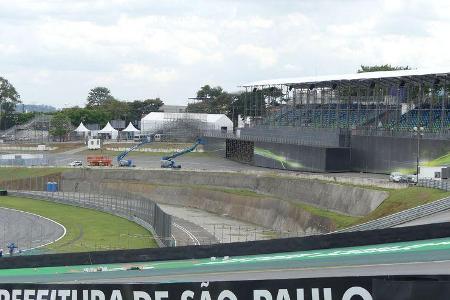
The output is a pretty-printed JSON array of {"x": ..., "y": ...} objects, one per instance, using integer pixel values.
[
  {"x": 315, "y": 294},
  {"x": 226, "y": 294},
  {"x": 63, "y": 294},
  {"x": 161, "y": 295},
  {"x": 138, "y": 295},
  {"x": 300, "y": 294},
  {"x": 97, "y": 295},
  {"x": 42, "y": 294},
  {"x": 283, "y": 294},
  {"x": 116, "y": 295},
  {"x": 53, "y": 295},
  {"x": 186, "y": 295},
  {"x": 262, "y": 295},
  {"x": 205, "y": 295},
  {"x": 4, "y": 295},
  {"x": 357, "y": 291},
  {"x": 16, "y": 294}
]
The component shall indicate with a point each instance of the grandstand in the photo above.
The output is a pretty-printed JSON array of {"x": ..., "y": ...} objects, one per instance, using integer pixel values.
[
  {"x": 359, "y": 122},
  {"x": 394, "y": 101}
]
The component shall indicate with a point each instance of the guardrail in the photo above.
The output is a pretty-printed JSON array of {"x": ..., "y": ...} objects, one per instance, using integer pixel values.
[
  {"x": 435, "y": 184},
  {"x": 137, "y": 209},
  {"x": 403, "y": 216}
]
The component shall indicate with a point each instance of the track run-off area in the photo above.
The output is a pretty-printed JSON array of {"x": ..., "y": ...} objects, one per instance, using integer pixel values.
[{"x": 405, "y": 258}]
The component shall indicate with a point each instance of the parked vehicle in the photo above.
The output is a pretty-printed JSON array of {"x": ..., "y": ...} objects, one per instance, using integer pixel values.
[
  {"x": 397, "y": 177},
  {"x": 76, "y": 163}
]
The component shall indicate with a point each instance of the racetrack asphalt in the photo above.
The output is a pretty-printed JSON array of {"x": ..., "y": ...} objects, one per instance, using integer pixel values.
[
  {"x": 406, "y": 258},
  {"x": 27, "y": 230}
]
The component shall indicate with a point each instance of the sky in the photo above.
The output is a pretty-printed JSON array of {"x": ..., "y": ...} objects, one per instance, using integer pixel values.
[{"x": 55, "y": 51}]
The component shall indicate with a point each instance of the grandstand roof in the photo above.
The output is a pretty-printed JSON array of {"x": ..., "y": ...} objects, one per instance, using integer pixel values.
[{"x": 385, "y": 76}]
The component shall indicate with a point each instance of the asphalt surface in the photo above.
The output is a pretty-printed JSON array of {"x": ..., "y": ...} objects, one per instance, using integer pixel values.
[
  {"x": 407, "y": 258},
  {"x": 27, "y": 230}
]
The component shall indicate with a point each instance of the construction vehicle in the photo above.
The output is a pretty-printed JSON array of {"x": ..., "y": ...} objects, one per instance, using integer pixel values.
[
  {"x": 99, "y": 161},
  {"x": 168, "y": 162},
  {"x": 122, "y": 162}
]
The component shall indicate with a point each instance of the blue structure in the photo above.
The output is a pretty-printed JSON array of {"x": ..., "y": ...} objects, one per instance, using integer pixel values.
[
  {"x": 122, "y": 162},
  {"x": 168, "y": 162}
]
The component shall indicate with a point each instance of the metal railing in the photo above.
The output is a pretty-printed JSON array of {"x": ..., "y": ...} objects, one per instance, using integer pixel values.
[
  {"x": 403, "y": 216},
  {"x": 435, "y": 184},
  {"x": 142, "y": 211}
]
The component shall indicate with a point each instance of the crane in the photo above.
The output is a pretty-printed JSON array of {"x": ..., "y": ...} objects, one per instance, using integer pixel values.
[
  {"x": 168, "y": 162},
  {"x": 122, "y": 162}
]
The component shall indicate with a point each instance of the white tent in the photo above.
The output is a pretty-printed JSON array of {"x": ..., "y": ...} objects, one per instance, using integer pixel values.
[
  {"x": 130, "y": 131},
  {"x": 108, "y": 129},
  {"x": 130, "y": 128},
  {"x": 155, "y": 121},
  {"x": 82, "y": 129}
]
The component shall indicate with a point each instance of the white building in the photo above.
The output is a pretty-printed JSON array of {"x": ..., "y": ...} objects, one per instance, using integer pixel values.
[{"x": 155, "y": 121}]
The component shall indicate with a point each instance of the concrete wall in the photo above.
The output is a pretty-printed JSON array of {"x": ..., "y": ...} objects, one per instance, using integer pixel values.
[
  {"x": 268, "y": 212},
  {"x": 340, "y": 198}
]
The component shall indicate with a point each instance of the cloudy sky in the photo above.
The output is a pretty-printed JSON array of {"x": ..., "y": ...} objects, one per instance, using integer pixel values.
[{"x": 54, "y": 51}]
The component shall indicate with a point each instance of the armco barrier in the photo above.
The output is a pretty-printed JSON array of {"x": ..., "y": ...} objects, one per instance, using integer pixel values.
[
  {"x": 403, "y": 216},
  {"x": 337, "y": 240}
]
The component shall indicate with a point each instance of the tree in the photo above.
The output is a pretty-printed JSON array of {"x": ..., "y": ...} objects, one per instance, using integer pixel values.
[
  {"x": 212, "y": 100},
  {"x": 117, "y": 109},
  {"x": 378, "y": 68},
  {"x": 94, "y": 115},
  {"x": 99, "y": 96},
  {"x": 138, "y": 108},
  {"x": 8, "y": 100},
  {"x": 60, "y": 125}
]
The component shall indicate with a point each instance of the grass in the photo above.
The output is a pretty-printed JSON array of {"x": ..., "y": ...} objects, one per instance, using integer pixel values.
[
  {"x": 402, "y": 199},
  {"x": 397, "y": 201},
  {"x": 8, "y": 173},
  {"x": 340, "y": 220},
  {"x": 86, "y": 229}
]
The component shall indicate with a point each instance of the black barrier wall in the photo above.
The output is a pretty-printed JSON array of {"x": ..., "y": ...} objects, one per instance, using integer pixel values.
[
  {"x": 328, "y": 241},
  {"x": 377, "y": 154},
  {"x": 367, "y": 153},
  {"x": 288, "y": 156},
  {"x": 337, "y": 288}
]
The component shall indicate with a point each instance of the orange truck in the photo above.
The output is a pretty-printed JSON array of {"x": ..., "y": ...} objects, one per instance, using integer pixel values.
[{"x": 99, "y": 160}]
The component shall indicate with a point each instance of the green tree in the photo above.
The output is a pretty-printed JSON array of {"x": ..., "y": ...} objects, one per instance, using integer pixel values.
[
  {"x": 212, "y": 100},
  {"x": 60, "y": 126},
  {"x": 138, "y": 108},
  {"x": 99, "y": 96},
  {"x": 93, "y": 115},
  {"x": 117, "y": 109},
  {"x": 9, "y": 97},
  {"x": 379, "y": 68}
]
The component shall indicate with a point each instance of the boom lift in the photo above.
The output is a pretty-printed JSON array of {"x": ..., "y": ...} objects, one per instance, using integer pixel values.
[
  {"x": 168, "y": 162},
  {"x": 122, "y": 162}
]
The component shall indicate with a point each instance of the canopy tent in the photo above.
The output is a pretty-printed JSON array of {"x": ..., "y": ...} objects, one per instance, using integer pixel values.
[
  {"x": 129, "y": 132},
  {"x": 108, "y": 129},
  {"x": 82, "y": 129},
  {"x": 130, "y": 128}
]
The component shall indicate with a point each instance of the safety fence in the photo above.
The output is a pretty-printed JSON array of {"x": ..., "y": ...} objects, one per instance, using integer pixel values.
[
  {"x": 435, "y": 184},
  {"x": 137, "y": 209}
]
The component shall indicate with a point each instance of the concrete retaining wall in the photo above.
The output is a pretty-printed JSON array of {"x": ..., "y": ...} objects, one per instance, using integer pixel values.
[
  {"x": 268, "y": 212},
  {"x": 340, "y": 198}
]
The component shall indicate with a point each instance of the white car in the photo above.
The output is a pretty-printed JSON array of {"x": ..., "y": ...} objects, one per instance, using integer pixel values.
[
  {"x": 76, "y": 163},
  {"x": 396, "y": 177}
]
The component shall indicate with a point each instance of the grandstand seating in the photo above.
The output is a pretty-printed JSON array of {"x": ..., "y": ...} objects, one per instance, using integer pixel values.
[
  {"x": 430, "y": 119},
  {"x": 343, "y": 116}
]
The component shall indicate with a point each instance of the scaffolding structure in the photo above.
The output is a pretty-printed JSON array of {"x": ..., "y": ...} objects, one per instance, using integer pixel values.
[{"x": 392, "y": 101}]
